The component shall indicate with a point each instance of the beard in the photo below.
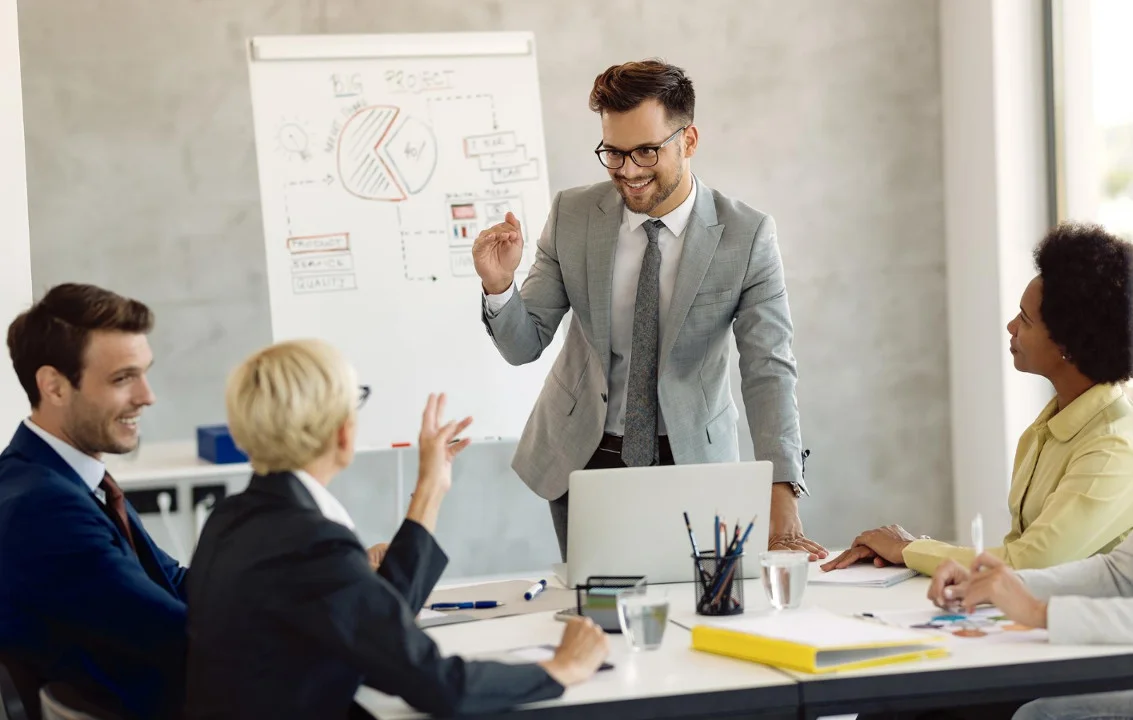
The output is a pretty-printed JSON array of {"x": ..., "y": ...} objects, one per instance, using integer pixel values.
[
  {"x": 661, "y": 192},
  {"x": 91, "y": 431}
]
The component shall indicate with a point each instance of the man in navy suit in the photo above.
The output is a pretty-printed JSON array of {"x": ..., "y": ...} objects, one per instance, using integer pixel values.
[{"x": 86, "y": 597}]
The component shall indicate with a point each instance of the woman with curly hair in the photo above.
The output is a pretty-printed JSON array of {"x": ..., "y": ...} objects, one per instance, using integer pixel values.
[{"x": 1071, "y": 490}]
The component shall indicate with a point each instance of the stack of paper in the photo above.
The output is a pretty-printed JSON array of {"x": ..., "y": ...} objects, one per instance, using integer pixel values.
[
  {"x": 861, "y": 576},
  {"x": 813, "y": 641}
]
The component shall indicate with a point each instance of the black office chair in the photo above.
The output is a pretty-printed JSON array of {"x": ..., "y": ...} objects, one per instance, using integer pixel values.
[
  {"x": 64, "y": 702},
  {"x": 11, "y": 701}
]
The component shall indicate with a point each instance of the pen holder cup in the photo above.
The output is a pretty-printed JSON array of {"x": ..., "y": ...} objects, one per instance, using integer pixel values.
[{"x": 719, "y": 584}]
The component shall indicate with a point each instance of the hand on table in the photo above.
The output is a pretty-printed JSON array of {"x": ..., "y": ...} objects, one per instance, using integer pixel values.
[
  {"x": 884, "y": 546},
  {"x": 990, "y": 581},
  {"x": 583, "y": 648},
  {"x": 785, "y": 529}
]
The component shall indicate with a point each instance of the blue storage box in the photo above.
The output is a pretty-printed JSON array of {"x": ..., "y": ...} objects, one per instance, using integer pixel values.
[{"x": 214, "y": 443}]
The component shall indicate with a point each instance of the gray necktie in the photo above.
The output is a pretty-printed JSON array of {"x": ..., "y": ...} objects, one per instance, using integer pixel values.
[{"x": 639, "y": 444}]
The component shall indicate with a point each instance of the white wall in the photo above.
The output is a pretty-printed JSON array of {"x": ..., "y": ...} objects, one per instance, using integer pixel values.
[
  {"x": 15, "y": 269},
  {"x": 995, "y": 211}
]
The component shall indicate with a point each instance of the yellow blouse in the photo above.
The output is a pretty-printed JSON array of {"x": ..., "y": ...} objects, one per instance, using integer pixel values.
[{"x": 1071, "y": 488}]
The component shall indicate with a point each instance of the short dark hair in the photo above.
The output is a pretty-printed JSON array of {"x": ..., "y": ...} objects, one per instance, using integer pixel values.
[
  {"x": 56, "y": 330},
  {"x": 621, "y": 88},
  {"x": 1087, "y": 302}
]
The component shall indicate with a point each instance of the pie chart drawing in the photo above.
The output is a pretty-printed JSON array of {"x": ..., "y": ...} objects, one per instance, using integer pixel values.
[{"x": 384, "y": 156}]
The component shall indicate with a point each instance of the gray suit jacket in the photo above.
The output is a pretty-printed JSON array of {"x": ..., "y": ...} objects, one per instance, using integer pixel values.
[{"x": 730, "y": 275}]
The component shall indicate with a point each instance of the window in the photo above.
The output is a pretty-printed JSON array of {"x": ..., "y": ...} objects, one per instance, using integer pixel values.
[{"x": 1092, "y": 111}]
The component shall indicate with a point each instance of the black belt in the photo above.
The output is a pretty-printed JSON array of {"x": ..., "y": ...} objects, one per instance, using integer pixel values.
[{"x": 613, "y": 443}]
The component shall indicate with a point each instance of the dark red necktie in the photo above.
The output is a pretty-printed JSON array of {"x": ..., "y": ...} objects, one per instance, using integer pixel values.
[{"x": 116, "y": 503}]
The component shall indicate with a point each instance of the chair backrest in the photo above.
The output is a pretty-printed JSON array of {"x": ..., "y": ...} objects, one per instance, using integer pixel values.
[
  {"x": 63, "y": 702},
  {"x": 12, "y": 700}
]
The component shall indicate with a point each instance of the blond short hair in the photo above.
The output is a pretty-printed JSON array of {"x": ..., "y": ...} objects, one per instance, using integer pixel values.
[{"x": 287, "y": 401}]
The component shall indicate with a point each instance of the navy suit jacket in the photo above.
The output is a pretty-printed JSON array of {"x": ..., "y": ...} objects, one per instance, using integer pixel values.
[{"x": 77, "y": 605}]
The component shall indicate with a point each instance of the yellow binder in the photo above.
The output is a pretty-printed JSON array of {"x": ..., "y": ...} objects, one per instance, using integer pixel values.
[{"x": 814, "y": 641}]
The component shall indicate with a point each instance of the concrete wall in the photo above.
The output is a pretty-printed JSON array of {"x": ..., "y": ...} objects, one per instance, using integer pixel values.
[{"x": 142, "y": 177}]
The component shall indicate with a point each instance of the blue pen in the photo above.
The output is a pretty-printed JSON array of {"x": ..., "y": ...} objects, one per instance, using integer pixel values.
[
  {"x": 716, "y": 533},
  {"x": 732, "y": 559},
  {"x": 740, "y": 547},
  {"x": 535, "y": 590},
  {"x": 476, "y": 605}
]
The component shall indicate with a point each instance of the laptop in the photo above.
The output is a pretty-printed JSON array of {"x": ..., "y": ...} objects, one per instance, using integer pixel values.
[{"x": 628, "y": 521}]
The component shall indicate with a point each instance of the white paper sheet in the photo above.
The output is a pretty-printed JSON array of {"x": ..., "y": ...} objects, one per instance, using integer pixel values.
[
  {"x": 985, "y": 625},
  {"x": 861, "y": 576}
]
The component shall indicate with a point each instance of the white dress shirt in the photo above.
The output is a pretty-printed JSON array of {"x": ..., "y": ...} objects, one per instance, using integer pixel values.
[
  {"x": 328, "y": 504},
  {"x": 90, "y": 469},
  {"x": 628, "y": 254}
]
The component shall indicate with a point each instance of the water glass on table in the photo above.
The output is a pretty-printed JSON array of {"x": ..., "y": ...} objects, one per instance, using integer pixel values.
[
  {"x": 643, "y": 617},
  {"x": 784, "y": 577}
]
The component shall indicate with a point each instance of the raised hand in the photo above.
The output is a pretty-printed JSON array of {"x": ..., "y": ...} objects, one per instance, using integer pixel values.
[
  {"x": 438, "y": 445},
  {"x": 496, "y": 254}
]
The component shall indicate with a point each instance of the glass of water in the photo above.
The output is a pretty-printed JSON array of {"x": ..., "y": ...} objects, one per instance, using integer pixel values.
[
  {"x": 784, "y": 577},
  {"x": 643, "y": 617}
]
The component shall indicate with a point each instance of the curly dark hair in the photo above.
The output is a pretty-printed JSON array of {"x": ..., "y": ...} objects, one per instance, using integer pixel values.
[{"x": 1087, "y": 303}]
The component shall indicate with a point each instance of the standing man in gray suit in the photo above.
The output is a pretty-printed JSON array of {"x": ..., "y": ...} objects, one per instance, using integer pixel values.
[{"x": 656, "y": 267}]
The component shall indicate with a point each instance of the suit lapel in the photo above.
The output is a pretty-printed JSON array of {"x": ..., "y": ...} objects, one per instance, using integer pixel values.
[
  {"x": 601, "y": 241},
  {"x": 702, "y": 235},
  {"x": 31, "y": 446}
]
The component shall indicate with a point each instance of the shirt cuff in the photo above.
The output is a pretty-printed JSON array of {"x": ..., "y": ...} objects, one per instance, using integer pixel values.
[
  {"x": 1064, "y": 622},
  {"x": 494, "y": 303}
]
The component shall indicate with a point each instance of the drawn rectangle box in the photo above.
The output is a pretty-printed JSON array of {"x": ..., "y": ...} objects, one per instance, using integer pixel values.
[
  {"x": 467, "y": 217},
  {"x": 323, "y": 263},
  {"x": 462, "y": 263},
  {"x": 504, "y": 159},
  {"x": 318, "y": 243},
  {"x": 302, "y": 284},
  {"x": 464, "y": 222},
  {"x": 500, "y": 142},
  {"x": 496, "y": 209},
  {"x": 527, "y": 171}
]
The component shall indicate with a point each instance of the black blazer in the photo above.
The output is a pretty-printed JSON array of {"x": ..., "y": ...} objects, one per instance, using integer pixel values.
[{"x": 286, "y": 618}]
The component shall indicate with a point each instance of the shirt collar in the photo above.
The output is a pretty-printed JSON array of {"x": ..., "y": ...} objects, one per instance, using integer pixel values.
[
  {"x": 676, "y": 220},
  {"x": 90, "y": 469},
  {"x": 1068, "y": 422},
  {"x": 328, "y": 504}
]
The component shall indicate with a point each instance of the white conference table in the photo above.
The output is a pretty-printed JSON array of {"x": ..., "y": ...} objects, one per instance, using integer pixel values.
[
  {"x": 973, "y": 672},
  {"x": 676, "y": 681}
]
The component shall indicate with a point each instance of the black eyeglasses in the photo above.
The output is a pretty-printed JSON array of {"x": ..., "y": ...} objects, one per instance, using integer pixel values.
[
  {"x": 363, "y": 395},
  {"x": 644, "y": 156}
]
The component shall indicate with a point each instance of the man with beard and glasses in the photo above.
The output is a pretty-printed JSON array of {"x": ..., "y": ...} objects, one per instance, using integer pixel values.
[
  {"x": 656, "y": 267},
  {"x": 86, "y": 597}
]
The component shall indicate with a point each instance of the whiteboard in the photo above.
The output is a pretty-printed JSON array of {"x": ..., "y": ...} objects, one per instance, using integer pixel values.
[
  {"x": 15, "y": 248},
  {"x": 381, "y": 157}
]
